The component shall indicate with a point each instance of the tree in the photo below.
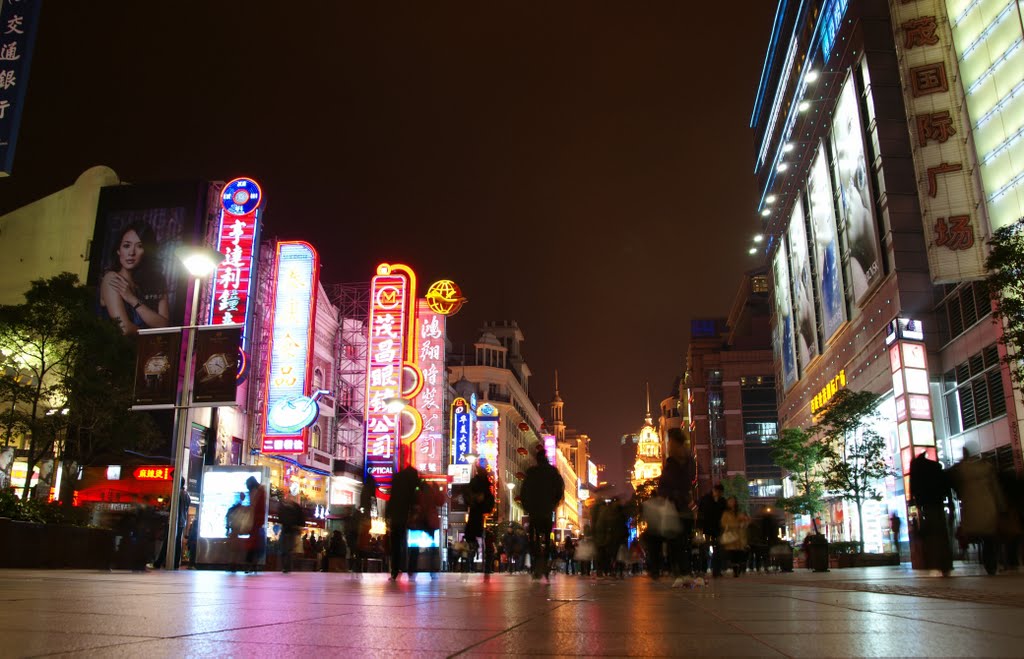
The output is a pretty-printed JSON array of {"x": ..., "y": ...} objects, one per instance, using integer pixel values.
[
  {"x": 1005, "y": 281},
  {"x": 855, "y": 458},
  {"x": 801, "y": 454},
  {"x": 738, "y": 486},
  {"x": 68, "y": 376}
]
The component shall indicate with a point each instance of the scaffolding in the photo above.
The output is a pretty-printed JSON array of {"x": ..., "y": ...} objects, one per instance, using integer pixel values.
[{"x": 353, "y": 304}]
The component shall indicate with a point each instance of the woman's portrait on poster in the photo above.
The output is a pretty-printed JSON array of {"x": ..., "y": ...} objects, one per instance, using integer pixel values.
[{"x": 133, "y": 290}]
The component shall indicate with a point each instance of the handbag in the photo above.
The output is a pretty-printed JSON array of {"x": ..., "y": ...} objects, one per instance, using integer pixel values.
[
  {"x": 730, "y": 537},
  {"x": 662, "y": 517}
]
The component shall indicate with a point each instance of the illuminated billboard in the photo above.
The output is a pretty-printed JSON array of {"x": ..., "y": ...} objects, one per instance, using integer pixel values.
[
  {"x": 551, "y": 448},
  {"x": 805, "y": 323},
  {"x": 392, "y": 292},
  {"x": 784, "y": 323},
  {"x": 461, "y": 430},
  {"x": 856, "y": 208},
  {"x": 826, "y": 246},
  {"x": 289, "y": 408},
  {"x": 430, "y": 355},
  {"x": 237, "y": 237},
  {"x": 591, "y": 473},
  {"x": 487, "y": 434}
]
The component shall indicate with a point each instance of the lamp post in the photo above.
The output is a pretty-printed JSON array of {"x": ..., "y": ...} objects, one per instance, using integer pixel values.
[
  {"x": 511, "y": 486},
  {"x": 200, "y": 262}
]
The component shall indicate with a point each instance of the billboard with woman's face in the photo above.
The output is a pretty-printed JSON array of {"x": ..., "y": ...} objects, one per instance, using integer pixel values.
[
  {"x": 803, "y": 294},
  {"x": 826, "y": 246},
  {"x": 784, "y": 313},
  {"x": 139, "y": 281},
  {"x": 855, "y": 201}
]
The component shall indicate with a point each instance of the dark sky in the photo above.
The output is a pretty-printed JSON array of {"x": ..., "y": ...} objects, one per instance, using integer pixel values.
[{"x": 583, "y": 168}]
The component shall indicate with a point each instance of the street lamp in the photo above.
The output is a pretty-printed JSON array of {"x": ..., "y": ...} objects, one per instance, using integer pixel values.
[
  {"x": 200, "y": 261},
  {"x": 511, "y": 486}
]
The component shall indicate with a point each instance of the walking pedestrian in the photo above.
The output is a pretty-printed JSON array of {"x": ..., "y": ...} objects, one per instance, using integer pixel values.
[
  {"x": 481, "y": 503},
  {"x": 257, "y": 543},
  {"x": 929, "y": 490},
  {"x": 399, "y": 508},
  {"x": 543, "y": 488},
  {"x": 678, "y": 475},
  {"x": 981, "y": 504},
  {"x": 292, "y": 521},
  {"x": 709, "y": 513},
  {"x": 733, "y": 539}
]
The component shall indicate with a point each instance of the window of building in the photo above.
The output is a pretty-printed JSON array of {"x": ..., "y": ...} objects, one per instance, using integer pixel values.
[
  {"x": 973, "y": 391},
  {"x": 759, "y": 284},
  {"x": 963, "y": 307}
]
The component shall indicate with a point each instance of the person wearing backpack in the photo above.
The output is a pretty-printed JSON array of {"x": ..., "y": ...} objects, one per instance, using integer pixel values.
[
  {"x": 543, "y": 488},
  {"x": 481, "y": 503}
]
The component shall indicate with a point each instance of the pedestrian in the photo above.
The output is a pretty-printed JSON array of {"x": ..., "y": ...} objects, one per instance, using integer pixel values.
[
  {"x": 929, "y": 490},
  {"x": 292, "y": 521},
  {"x": 481, "y": 503},
  {"x": 184, "y": 503},
  {"x": 192, "y": 542},
  {"x": 733, "y": 539},
  {"x": 612, "y": 533},
  {"x": 237, "y": 522},
  {"x": 894, "y": 529},
  {"x": 336, "y": 550},
  {"x": 257, "y": 543},
  {"x": 542, "y": 489},
  {"x": 678, "y": 474},
  {"x": 981, "y": 505},
  {"x": 709, "y": 513},
  {"x": 397, "y": 513}
]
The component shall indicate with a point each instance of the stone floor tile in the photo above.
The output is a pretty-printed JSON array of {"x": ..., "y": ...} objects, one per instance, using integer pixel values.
[
  {"x": 948, "y": 643},
  {"x": 26, "y": 643},
  {"x": 624, "y": 644}
]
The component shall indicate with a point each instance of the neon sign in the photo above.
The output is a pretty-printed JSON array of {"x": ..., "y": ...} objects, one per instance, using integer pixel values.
[
  {"x": 487, "y": 434},
  {"x": 430, "y": 359},
  {"x": 550, "y": 448},
  {"x": 149, "y": 473},
  {"x": 830, "y": 389},
  {"x": 444, "y": 297},
  {"x": 390, "y": 348},
  {"x": 461, "y": 431},
  {"x": 289, "y": 409},
  {"x": 236, "y": 239}
]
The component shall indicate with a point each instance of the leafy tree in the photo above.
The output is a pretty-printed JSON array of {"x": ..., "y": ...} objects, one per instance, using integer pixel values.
[
  {"x": 855, "y": 459},
  {"x": 68, "y": 379},
  {"x": 643, "y": 492},
  {"x": 1005, "y": 281},
  {"x": 802, "y": 455},
  {"x": 738, "y": 486}
]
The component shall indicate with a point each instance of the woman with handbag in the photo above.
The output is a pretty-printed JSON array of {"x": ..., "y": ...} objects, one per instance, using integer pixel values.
[{"x": 733, "y": 539}]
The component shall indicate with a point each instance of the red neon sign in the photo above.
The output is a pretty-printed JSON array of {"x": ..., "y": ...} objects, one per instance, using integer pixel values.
[
  {"x": 153, "y": 473},
  {"x": 236, "y": 240}
]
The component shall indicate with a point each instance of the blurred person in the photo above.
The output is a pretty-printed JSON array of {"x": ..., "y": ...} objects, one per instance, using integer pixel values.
[
  {"x": 733, "y": 538},
  {"x": 542, "y": 489},
  {"x": 1011, "y": 522},
  {"x": 257, "y": 542},
  {"x": 930, "y": 492},
  {"x": 292, "y": 520},
  {"x": 237, "y": 522},
  {"x": 981, "y": 504},
  {"x": 709, "y": 518},
  {"x": 399, "y": 509},
  {"x": 481, "y": 503},
  {"x": 895, "y": 523},
  {"x": 678, "y": 474},
  {"x": 192, "y": 542},
  {"x": 134, "y": 291},
  {"x": 570, "y": 554},
  {"x": 336, "y": 548},
  {"x": 611, "y": 534}
]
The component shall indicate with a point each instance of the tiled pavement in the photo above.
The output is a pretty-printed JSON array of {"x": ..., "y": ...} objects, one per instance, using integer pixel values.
[{"x": 883, "y": 611}]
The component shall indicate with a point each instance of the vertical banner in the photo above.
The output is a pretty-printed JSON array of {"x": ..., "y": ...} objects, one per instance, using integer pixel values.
[
  {"x": 461, "y": 431},
  {"x": 19, "y": 21},
  {"x": 237, "y": 237},
  {"x": 806, "y": 328},
  {"x": 487, "y": 435},
  {"x": 389, "y": 310},
  {"x": 215, "y": 381},
  {"x": 196, "y": 443},
  {"x": 156, "y": 369},
  {"x": 430, "y": 356},
  {"x": 784, "y": 320},
  {"x": 551, "y": 448},
  {"x": 288, "y": 408},
  {"x": 826, "y": 246}
]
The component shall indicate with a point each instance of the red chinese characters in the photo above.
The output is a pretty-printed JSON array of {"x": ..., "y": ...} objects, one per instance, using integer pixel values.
[{"x": 954, "y": 232}]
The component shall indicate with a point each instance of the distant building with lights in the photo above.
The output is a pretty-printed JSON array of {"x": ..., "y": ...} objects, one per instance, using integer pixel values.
[{"x": 649, "y": 454}]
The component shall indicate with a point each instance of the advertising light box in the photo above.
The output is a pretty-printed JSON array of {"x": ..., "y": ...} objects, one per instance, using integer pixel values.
[{"x": 223, "y": 487}]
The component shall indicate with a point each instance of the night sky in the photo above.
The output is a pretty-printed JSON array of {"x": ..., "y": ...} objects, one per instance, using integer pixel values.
[{"x": 584, "y": 168}]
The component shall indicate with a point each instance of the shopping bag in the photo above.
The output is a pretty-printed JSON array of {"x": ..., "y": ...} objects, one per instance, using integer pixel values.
[{"x": 662, "y": 517}]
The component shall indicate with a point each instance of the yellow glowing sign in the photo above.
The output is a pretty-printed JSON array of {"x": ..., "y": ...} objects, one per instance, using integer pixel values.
[
  {"x": 444, "y": 297},
  {"x": 828, "y": 391}
]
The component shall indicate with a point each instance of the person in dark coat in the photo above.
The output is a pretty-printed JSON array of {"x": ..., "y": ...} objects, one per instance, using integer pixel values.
[
  {"x": 709, "y": 513},
  {"x": 481, "y": 502},
  {"x": 982, "y": 504},
  {"x": 929, "y": 490},
  {"x": 257, "y": 542},
  {"x": 543, "y": 488},
  {"x": 292, "y": 522},
  {"x": 403, "y": 497},
  {"x": 678, "y": 475}
]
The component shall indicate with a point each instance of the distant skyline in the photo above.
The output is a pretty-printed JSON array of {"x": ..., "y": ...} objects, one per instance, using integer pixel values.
[{"x": 582, "y": 168}]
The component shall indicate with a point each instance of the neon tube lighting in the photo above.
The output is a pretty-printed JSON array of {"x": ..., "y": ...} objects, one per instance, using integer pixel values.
[
  {"x": 1004, "y": 145},
  {"x": 965, "y": 12},
  {"x": 987, "y": 31},
  {"x": 1014, "y": 182},
  {"x": 1000, "y": 105},
  {"x": 995, "y": 65}
]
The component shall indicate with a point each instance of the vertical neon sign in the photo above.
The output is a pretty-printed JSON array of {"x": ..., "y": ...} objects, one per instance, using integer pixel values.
[
  {"x": 460, "y": 429},
  {"x": 236, "y": 239},
  {"x": 390, "y": 347},
  {"x": 551, "y": 448},
  {"x": 289, "y": 410},
  {"x": 430, "y": 359},
  {"x": 487, "y": 434}
]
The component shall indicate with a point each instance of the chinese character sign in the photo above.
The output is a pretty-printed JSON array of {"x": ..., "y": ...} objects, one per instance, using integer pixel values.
[
  {"x": 487, "y": 434},
  {"x": 461, "y": 430},
  {"x": 390, "y": 293},
  {"x": 430, "y": 355},
  {"x": 18, "y": 22},
  {"x": 236, "y": 239},
  {"x": 288, "y": 404}
]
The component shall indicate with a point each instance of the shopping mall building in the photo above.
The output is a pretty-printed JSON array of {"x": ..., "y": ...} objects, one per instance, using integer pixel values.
[{"x": 887, "y": 140}]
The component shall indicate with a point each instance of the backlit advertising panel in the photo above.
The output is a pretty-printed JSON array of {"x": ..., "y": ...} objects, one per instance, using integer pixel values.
[
  {"x": 289, "y": 410},
  {"x": 222, "y": 488},
  {"x": 487, "y": 434},
  {"x": 856, "y": 208},
  {"x": 826, "y": 246},
  {"x": 784, "y": 325},
  {"x": 591, "y": 473},
  {"x": 430, "y": 355},
  {"x": 237, "y": 237},
  {"x": 551, "y": 448},
  {"x": 805, "y": 323},
  {"x": 19, "y": 22},
  {"x": 156, "y": 369},
  {"x": 215, "y": 381},
  {"x": 461, "y": 429},
  {"x": 389, "y": 302}
]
